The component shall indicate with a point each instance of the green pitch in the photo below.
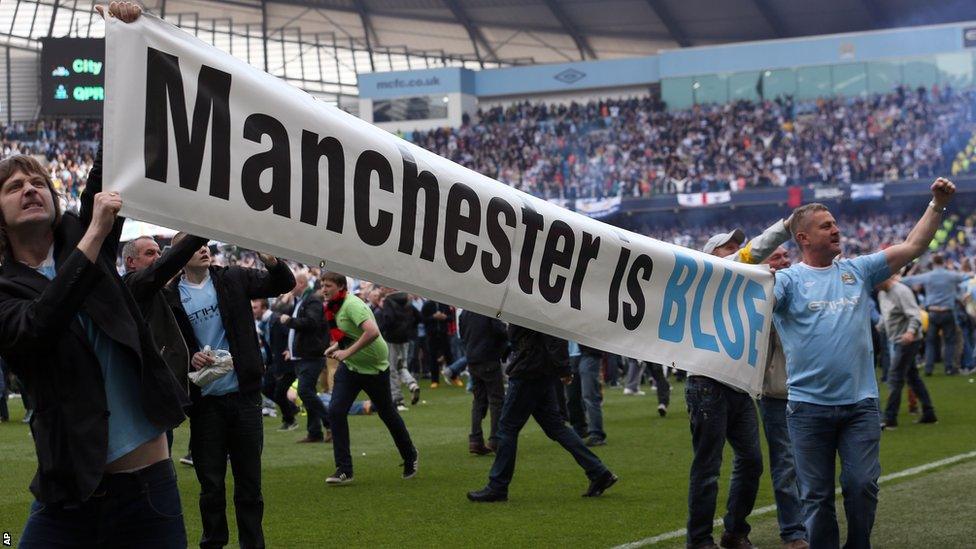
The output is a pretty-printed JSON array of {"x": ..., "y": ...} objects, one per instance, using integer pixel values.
[{"x": 651, "y": 455}]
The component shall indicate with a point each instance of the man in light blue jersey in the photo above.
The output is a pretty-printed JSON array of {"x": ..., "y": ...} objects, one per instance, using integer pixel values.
[
  {"x": 823, "y": 315},
  {"x": 941, "y": 286}
]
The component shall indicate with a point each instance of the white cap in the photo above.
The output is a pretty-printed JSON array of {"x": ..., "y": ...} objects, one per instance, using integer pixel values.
[{"x": 722, "y": 239}]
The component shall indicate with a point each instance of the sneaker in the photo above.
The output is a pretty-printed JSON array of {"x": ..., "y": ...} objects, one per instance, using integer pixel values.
[
  {"x": 600, "y": 484},
  {"x": 486, "y": 495},
  {"x": 414, "y": 395},
  {"x": 328, "y": 436},
  {"x": 638, "y": 392},
  {"x": 402, "y": 408},
  {"x": 796, "y": 544},
  {"x": 434, "y": 385},
  {"x": 596, "y": 441},
  {"x": 913, "y": 410},
  {"x": 269, "y": 412},
  {"x": 629, "y": 391},
  {"x": 662, "y": 410},
  {"x": 457, "y": 382},
  {"x": 288, "y": 426},
  {"x": 889, "y": 425},
  {"x": 187, "y": 460},
  {"x": 339, "y": 477},
  {"x": 927, "y": 418},
  {"x": 736, "y": 541},
  {"x": 410, "y": 466}
]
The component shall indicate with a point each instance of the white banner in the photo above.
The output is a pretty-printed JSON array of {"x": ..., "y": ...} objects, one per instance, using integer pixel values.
[
  {"x": 198, "y": 140},
  {"x": 693, "y": 200}
]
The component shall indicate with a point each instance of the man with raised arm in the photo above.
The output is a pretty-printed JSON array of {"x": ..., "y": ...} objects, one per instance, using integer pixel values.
[{"x": 823, "y": 316}]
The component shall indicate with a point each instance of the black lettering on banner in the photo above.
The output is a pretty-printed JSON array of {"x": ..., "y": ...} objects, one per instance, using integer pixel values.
[
  {"x": 589, "y": 249},
  {"x": 618, "y": 275},
  {"x": 163, "y": 80},
  {"x": 312, "y": 152},
  {"x": 455, "y": 222},
  {"x": 499, "y": 240},
  {"x": 412, "y": 185},
  {"x": 533, "y": 221},
  {"x": 633, "y": 316},
  {"x": 553, "y": 256},
  {"x": 277, "y": 159},
  {"x": 369, "y": 162}
]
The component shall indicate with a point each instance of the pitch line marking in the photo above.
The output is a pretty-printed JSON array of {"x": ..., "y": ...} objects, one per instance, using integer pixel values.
[{"x": 770, "y": 508}]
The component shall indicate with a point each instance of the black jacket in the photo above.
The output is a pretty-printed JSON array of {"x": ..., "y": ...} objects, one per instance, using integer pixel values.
[
  {"x": 236, "y": 287},
  {"x": 485, "y": 338},
  {"x": 310, "y": 328},
  {"x": 46, "y": 346},
  {"x": 436, "y": 328},
  {"x": 147, "y": 286},
  {"x": 398, "y": 318},
  {"x": 536, "y": 355}
]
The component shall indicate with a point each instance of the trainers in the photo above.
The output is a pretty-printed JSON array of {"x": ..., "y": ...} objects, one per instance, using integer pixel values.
[
  {"x": 736, "y": 541},
  {"x": 796, "y": 544},
  {"x": 487, "y": 495},
  {"x": 600, "y": 484},
  {"x": 339, "y": 477},
  {"x": 288, "y": 426},
  {"x": 414, "y": 395},
  {"x": 410, "y": 466},
  {"x": 187, "y": 460},
  {"x": 434, "y": 385},
  {"x": 596, "y": 441},
  {"x": 328, "y": 436},
  {"x": 457, "y": 382},
  {"x": 662, "y": 410},
  {"x": 927, "y": 418},
  {"x": 478, "y": 448},
  {"x": 889, "y": 425},
  {"x": 402, "y": 408}
]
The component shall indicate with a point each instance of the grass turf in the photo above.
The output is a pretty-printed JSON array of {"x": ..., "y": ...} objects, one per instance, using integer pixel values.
[{"x": 651, "y": 455}]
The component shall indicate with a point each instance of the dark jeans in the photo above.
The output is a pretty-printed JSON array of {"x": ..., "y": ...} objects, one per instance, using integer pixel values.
[
  {"x": 661, "y": 382},
  {"x": 535, "y": 398},
  {"x": 308, "y": 372},
  {"x": 140, "y": 509},
  {"x": 4, "y": 391},
  {"x": 903, "y": 370},
  {"x": 345, "y": 389},
  {"x": 819, "y": 435},
  {"x": 589, "y": 374},
  {"x": 719, "y": 413},
  {"x": 284, "y": 378},
  {"x": 488, "y": 388},
  {"x": 944, "y": 321},
  {"x": 438, "y": 345},
  {"x": 789, "y": 514},
  {"x": 222, "y": 426},
  {"x": 574, "y": 399}
]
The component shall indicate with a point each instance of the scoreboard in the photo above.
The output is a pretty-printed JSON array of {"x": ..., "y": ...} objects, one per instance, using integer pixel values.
[{"x": 72, "y": 76}]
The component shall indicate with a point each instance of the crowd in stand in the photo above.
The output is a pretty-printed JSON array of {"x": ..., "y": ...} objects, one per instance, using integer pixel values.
[{"x": 632, "y": 147}]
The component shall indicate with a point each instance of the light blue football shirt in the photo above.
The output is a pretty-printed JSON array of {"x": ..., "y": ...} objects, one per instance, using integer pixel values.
[
  {"x": 200, "y": 303},
  {"x": 823, "y": 318}
]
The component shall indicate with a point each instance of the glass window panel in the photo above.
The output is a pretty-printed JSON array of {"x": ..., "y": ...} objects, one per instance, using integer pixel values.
[
  {"x": 955, "y": 69},
  {"x": 813, "y": 82},
  {"x": 883, "y": 76},
  {"x": 920, "y": 71},
  {"x": 850, "y": 79},
  {"x": 676, "y": 93},
  {"x": 745, "y": 85},
  {"x": 779, "y": 83},
  {"x": 711, "y": 89}
]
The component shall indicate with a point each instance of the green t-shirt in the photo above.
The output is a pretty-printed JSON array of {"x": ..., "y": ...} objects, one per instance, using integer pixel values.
[{"x": 373, "y": 358}]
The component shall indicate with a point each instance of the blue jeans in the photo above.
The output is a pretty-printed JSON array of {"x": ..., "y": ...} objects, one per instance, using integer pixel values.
[
  {"x": 719, "y": 413},
  {"x": 346, "y": 387},
  {"x": 589, "y": 372},
  {"x": 944, "y": 321},
  {"x": 535, "y": 398},
  {"x": 968, "y": 338},
  {"x": 308, "y": 372},
  {"x": 140, "y": 509},
  {"x": 819, "y": 434},
  {"x": 574, "y": 399},
  {"x": 903, "y": 370},
  {"x": 783, "y": 469}
]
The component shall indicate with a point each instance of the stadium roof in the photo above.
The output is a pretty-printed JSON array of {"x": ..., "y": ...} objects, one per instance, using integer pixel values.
[{"x": 563, "y": 30}]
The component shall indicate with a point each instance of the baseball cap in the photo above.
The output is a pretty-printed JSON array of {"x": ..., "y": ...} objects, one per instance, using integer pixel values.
[{"x": 722, "y": 239}]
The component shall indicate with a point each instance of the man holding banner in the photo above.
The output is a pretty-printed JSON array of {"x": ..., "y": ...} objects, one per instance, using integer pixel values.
[{"x": 823, "y": 317}]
